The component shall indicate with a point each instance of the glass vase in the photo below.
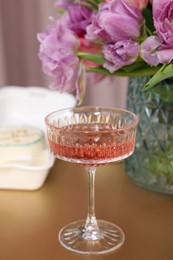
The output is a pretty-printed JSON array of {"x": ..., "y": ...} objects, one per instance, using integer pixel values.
[{"x": 151, "y": 165}]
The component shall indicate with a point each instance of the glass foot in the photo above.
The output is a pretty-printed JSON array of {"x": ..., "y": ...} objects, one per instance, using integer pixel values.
[{"x": 72, "y": 238}]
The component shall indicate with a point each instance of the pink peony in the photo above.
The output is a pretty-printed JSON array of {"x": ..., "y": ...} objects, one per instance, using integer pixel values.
[
  {"x": 163, "y": 17},
  {"x": 116, "y": 20},
  {"x": 149, "y": 50},
  {"x": 58, "y": 46},
  {"x": 120, "y": 54}
]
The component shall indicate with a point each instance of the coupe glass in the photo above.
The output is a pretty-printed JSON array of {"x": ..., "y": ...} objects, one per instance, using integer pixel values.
[{"x": 91, "y": 137}]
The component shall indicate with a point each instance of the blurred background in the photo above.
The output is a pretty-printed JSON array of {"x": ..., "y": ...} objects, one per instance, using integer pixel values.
[{"x": 20, "y": 21}]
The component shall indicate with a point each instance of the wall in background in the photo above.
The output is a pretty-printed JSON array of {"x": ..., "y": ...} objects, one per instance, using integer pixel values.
[{"x": 20, "y": 20}]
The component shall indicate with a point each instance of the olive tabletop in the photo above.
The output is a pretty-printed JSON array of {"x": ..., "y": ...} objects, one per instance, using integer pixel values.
[{"x": 30, "y": 220}]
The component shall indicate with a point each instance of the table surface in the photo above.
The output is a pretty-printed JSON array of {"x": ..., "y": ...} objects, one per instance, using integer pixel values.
[{"x": 30, "y": 220}]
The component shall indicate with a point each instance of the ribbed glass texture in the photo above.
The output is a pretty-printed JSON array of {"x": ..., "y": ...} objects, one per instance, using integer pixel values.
[{"x": 151, "y": 165}]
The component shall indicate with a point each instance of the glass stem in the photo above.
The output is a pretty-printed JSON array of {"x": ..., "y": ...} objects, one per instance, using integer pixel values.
[{"x": 91, "y": 230}]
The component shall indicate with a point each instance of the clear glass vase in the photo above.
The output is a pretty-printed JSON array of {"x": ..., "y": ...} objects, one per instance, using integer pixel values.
[{"x": 151, "y": 165}]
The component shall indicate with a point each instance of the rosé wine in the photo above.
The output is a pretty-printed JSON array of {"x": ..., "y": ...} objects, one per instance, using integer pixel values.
[{"x": 91, "y": 144}]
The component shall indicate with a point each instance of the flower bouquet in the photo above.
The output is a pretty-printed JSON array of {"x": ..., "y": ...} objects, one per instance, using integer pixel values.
[
  {"x": 107, "y": 37},
  {"x": 131, "y": 38}
]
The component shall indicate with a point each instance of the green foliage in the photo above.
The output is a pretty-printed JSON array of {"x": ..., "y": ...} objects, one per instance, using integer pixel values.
[
  {"x": 165, "y": 72},
  {"x": 147, "y": 13}
]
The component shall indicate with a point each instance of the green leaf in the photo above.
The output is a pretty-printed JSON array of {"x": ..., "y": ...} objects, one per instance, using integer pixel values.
[
  {"x": 135, "y": 73},
  {"x": 165, "y": 72},
  {"x": 87, "y": 5},
  {"x": 136, "y": 66},
  {"x": 99, "y": 1},
  {"x": 99, "y": 70},
  {"x": 96, "y": 58},
  {"x": 148, "y": 17},
  {"x": 92, "y": 2}
]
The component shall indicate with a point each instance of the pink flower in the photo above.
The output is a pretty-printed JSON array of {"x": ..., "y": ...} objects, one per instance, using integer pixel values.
[
  {"x": 79, "y": 15},
  {"x": 149, "y": 50},
  {"x": 153, "y": 51},
  {"x": 58, "y": 46},
  {"x": 80, "y": 18},
  {"x": 163, "y": 17},
  {"x": 139, "y": 3},
  {"x": 62, "y": 4},
  {"x": 165, "y": 56},
  {"x": 116, "y": 20},
  {"x": 120, "y": 54}
]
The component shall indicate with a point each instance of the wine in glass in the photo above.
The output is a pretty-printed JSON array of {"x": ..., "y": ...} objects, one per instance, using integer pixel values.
[{"x": 91, "y": 137}]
